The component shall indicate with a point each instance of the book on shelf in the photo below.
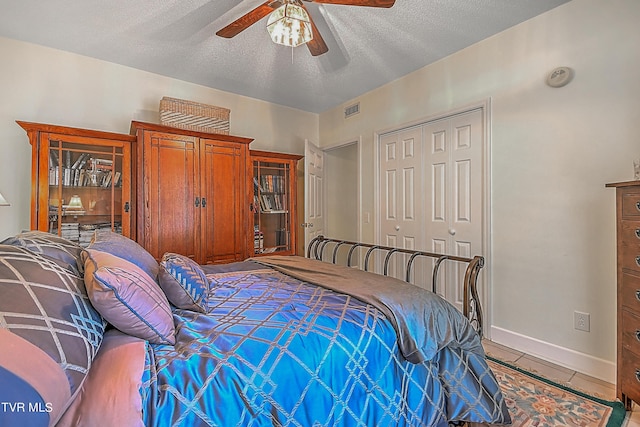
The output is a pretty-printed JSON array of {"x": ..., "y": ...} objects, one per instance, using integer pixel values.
[
  {"x": 67, "y": 159},
  {"x": 273, "y": 183},
  {"x": 258, "y": 241},
  {"x": 53, "y": 175},
  {"x": 102, "y": 164},
  {"x": 106, "y": 180},
  {"x": 66, "y": 176},
  {"x": 80, "y": 161},
  {"x": 76, "y": 177},
  {"x": 264, "y": 203},
  {"x": 71, "y": 177},
  {"x": 53, "y": 158}
]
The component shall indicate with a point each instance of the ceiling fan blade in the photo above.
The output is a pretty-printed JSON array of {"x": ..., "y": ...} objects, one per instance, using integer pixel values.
[
  {"x": 316, "y": 46},
  {"x": 245, "y": 21},
  {"x": 369, "y": 3}
]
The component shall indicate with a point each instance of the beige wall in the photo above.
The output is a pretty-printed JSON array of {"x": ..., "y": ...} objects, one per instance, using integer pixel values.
[
  {"x": 552, "y": 151},
  {"x": 39, "y": 84},
  {"x": 341, "y": 204}
]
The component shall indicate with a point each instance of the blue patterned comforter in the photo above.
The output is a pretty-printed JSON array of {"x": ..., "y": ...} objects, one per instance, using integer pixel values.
[{"x": 277, "y": 351}]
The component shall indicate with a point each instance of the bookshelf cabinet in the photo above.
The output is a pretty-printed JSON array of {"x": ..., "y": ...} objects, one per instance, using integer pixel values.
[
  {"x": 274, "y": 202},
  {"x": 81, "y": 181}
]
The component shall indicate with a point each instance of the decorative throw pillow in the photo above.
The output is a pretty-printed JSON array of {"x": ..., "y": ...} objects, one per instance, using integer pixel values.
[
  {"x": 125, "y": 248},
  {"x": 128, "y": 297},
  {"x": 49, "y": 331},
  {"x": 50, "y": 245},
  {"x": 183, "y": 282}
]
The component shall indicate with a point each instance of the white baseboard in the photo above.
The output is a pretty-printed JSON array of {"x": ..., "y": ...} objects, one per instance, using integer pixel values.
[{"x": 574, "y": 360}]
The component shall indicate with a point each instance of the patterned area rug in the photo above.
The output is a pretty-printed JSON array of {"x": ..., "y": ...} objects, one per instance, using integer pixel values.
[{"x": 534, "y": 401}]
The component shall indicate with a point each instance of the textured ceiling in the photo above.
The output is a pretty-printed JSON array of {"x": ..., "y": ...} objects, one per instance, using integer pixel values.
[{"x": 368, "y": 47}]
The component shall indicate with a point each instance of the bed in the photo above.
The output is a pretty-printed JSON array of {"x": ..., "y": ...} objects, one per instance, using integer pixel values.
[{"x": 121, "y": 339}]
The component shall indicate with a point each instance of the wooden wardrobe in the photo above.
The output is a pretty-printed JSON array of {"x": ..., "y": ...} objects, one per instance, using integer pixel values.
[{"x": 192, "y": 193}]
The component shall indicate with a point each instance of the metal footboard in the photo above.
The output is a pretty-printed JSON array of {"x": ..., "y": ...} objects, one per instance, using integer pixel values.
[{"x": 327, "y": 249}]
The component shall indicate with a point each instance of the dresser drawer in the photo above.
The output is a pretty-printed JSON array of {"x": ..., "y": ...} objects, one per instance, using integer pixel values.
[
  {"x": 631, "y": 204},
  {"x": 630, "y": 291},
  {"x": 630, "y": 233},
  {"x": 629, "y": 375},
  {"x": 631, "y": 331},
  {"x": 630, "y": 258}
]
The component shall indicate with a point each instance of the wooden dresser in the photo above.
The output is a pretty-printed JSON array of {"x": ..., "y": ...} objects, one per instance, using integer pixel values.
[{"x": 628, "y": 273}]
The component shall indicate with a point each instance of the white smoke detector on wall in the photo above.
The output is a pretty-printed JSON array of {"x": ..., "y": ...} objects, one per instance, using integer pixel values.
[{"x": 559, "y": 76}]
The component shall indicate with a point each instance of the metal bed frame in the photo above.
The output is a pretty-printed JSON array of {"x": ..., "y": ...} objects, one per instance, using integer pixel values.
[{"x": 472, "y": 308}]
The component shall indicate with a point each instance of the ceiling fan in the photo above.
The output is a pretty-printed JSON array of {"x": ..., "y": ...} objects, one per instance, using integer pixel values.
[{"x": 316, "y": 45}]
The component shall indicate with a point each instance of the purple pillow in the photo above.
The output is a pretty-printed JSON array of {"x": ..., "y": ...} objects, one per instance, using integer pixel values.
[
  {"x": 123, "y": 247},
  {"x": 127, "y": 297}
]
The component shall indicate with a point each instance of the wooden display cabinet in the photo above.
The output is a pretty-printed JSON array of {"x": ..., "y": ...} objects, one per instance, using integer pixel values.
[
  {"x": 81, "y": 181},
  {"x": 274, "y": 202}
]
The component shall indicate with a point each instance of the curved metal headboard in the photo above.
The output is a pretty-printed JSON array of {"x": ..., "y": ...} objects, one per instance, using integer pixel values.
[{"x": 472, "y": 309}]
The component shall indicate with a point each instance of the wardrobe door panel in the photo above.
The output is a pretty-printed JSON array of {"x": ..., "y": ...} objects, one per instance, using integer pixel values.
[
  {"x": 224, "y": 216},
  {"x": 171, "y": 220}
]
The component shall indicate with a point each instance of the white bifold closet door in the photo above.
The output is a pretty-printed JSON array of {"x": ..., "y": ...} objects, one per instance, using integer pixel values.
[{"x": 431, "y": 182}]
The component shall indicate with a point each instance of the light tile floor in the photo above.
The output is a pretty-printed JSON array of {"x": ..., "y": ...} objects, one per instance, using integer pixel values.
[{"x": 560, "y": 374}]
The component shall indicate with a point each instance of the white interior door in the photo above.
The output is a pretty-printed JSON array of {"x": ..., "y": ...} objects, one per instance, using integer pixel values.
[
  {"x": 454, "y": 157},
  {"x": 401, "y": 180},
  {"x": 314, "y": 171}
]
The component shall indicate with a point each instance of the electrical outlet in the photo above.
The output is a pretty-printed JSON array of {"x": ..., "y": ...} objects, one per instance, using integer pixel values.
[{"x": 582, "y": 321}]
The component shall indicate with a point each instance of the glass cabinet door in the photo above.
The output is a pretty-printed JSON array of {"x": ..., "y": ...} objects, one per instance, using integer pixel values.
[
  {"x": 85, "y": 188},
  {"x": 272, "y": 213}
]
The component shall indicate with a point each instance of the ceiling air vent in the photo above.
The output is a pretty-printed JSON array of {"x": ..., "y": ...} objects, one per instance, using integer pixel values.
[{"x": 351, "y": 110}]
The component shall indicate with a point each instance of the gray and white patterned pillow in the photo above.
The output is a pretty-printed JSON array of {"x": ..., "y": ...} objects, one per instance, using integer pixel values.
[
  {"x": 183, "y": 282},
  {"x": 49, "y": 330},
  {"x": 50, "y": 245}
]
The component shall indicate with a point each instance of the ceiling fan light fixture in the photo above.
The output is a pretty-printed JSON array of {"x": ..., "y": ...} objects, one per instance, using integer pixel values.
[{"x": 289, "y": 25}]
